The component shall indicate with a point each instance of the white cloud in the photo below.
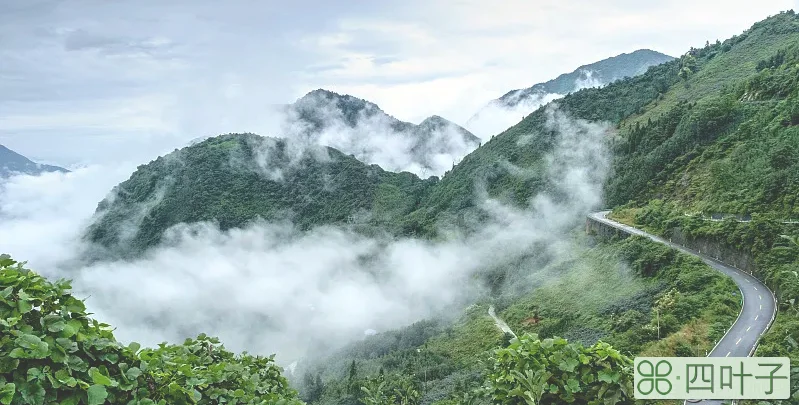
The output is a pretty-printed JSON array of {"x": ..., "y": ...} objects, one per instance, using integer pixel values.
[
  {"x": 42, "y": 217},
  {"x": 269, "y": 288}
]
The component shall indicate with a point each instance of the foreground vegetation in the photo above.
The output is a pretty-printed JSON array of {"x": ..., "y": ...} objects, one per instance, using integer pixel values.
[{"x": 52, "y": 352}]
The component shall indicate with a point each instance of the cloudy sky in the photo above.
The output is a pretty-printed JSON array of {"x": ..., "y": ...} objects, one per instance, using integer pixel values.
[{"x": 90, "y": 81}]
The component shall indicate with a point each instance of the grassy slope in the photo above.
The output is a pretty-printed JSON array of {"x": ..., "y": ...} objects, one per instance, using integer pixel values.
[{"x": 761, "y": 41}]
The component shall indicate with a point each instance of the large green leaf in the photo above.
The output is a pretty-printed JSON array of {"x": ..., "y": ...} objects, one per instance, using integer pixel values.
[
  {"x": 7, "y": 393},
  {"x": 98, "y": 378},
  {"x": 97, "y": 394}
]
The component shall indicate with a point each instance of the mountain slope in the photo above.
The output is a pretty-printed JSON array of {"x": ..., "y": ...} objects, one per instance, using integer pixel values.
[
  {"x": 14, "y": 163},
  {"x": 234, "y": 179},
  {"x": 664, "y": 92},
  {"x": 361, "y": 128},
  {"x": 714, "y": 131}
]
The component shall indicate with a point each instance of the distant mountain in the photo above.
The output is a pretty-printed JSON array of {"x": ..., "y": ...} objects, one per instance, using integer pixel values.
[
  {"x": 13, "y": 163},
  {"x": 235, "y": 179},
  {"x": 509, "y": 109},
  {"x": 596, "y": 74},
  {"x": 361, "y": 128}
]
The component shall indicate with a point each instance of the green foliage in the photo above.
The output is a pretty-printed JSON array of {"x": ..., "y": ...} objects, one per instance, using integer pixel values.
[
  {"x": 52, "y": 352},
  {"x": 235, "y": 179},
  {"x": 734, "y": 150},
  {"x": 553, "y": 371}
]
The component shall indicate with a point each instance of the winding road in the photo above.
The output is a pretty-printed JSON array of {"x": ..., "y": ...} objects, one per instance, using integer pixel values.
[{"x": 759, "y": 306}]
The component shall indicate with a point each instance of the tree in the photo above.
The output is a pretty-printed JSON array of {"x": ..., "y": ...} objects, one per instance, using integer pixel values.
[
  {"x": 352, "y": 379},
  {"x": 375, "y": 392}
]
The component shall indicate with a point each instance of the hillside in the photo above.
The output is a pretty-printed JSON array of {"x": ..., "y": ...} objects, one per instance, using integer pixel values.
[
  {"x": 715, "y": 131},
  {"x": 14, "y": 163},
  {"x": 688, "y": 115},
  {"x": 234, "y": 179},
  {"x": 359, "y": 127}
]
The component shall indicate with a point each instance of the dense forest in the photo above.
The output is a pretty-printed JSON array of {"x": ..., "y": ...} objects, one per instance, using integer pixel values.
[{"x": 234, "y": 179}]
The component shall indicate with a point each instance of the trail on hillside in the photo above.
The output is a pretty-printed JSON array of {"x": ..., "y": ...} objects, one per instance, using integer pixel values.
[{"x": 499, "y": 322}]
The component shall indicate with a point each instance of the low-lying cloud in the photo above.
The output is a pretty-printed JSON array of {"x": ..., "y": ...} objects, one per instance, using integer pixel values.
[
  {"x": 270, "y": 288},
  {"x": 359, "y": 128},
  {"x": 362, "y": 129},
  {"x": 500, "y": 115}
]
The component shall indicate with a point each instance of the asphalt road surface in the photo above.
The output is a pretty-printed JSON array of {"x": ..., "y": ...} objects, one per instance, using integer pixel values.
[{"x": 759, "y": 307}]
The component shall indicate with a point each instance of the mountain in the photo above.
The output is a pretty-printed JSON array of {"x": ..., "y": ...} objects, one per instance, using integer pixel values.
[
  {"x": 664, "y": 89},
  {"x": 596, "y": 74},
  {"x": 13, "y": 163},
  {"x": 361, "y": 128},
  {"x": 507, "y": 110},
  {"x": 234, "y": 179},
  {"x": 713, "y": 133}
]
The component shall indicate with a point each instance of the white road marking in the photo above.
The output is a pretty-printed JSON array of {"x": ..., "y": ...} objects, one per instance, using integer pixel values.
[
  {"x": 747, "y": 329},
  {"x": 761, "y": 306},
  {"x": 760, "y": 296},
  {"x": 728, "y": 354},
  {"x": 739, "y": 341},
  {"x": 755, "y": 288},
  {"x": 747, "y": 280},
  {"x": 757, "y": 316}
]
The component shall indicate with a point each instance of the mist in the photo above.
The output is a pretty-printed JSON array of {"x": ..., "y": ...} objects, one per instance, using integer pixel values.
[
  {"x": 371, "y": 135},
  {"x": 499, "y": 115},
  {"x": 269, "y": 288}
]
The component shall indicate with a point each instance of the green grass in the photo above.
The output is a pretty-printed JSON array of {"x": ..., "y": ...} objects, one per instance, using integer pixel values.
[{"x": 725, "y": 68}]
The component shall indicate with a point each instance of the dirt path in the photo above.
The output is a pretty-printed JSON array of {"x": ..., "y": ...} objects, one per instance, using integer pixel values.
[{"x": 499, "y": 322}]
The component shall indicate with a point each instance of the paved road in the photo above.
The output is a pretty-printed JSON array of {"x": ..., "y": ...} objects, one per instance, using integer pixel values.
[{"x": 758, "y": 310}]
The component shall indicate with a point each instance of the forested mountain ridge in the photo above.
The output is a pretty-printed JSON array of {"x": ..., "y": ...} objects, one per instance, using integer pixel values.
[
  {"x": 234, "y": 179},
  {"x": 14, "y": 163},
  {"x": 688, "y": 89}
]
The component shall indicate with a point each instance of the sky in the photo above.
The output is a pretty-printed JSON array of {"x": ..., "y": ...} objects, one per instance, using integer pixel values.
[{"x": 99, "y": 82}]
